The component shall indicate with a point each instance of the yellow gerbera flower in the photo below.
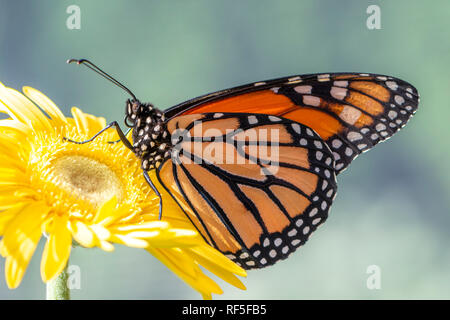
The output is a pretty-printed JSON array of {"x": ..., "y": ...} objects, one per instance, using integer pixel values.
[{"x": 93, "y": 193}]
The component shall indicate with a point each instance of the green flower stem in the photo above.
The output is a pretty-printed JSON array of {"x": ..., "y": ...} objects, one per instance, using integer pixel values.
[{"x": 57, "y": 288}]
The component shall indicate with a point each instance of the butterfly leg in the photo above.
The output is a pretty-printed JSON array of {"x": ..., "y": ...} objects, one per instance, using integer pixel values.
[
  {"x": 150, "y": 182},
  {"x": 116, "y": 126},
  {"x": 116, "y": 141}
]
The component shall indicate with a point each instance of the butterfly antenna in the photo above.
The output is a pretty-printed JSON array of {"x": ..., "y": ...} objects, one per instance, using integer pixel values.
[{"x": 93, "y": 67}]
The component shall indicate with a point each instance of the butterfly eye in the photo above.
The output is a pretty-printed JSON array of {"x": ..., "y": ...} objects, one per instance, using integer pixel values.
[{"x": 135, "y": 106}]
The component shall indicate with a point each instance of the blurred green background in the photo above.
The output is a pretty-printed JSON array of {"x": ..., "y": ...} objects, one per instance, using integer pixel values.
[{"x": 392, "y": 208}]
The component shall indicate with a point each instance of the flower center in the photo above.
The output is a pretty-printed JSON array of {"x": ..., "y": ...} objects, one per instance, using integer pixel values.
[{"x": 87, "y": 178}]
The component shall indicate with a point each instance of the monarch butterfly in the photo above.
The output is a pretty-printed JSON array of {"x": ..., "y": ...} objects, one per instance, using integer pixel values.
[{"x": 251, "y": 212}]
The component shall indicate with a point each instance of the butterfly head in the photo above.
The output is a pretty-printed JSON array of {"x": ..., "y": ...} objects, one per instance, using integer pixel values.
[
  {"x": 133, "y": 110},
  {"x": 137, "y": 113}
]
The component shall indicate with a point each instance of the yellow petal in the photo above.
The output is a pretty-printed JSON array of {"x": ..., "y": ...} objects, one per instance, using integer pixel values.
[
  {"x": 13, "y": 272},
  {"x": 95, "y": 124},
  {"x": 129, "y": 241},
  {"x": 105, "y": 210},
  {"x": 7, "y": 215},
  {"x": 8, "y": 190},
  {"x": 184, "y": 267},
  {"x": 23, "y": 110},
  {"x": 10, "y": 202},
  {"x": 57, "y": 249},
  {"x": 80, "y": 120},
  {"x": 10, "y": 176},
  {"x": 46, "y": 104},
  {"x": 19, "y": 127},
  {"x": 9, "y": 162},
  {"x": 216, "y": 268},
  {"x": 150, "y": 225},
  {"x": 170, "y": 238},
  {"x": 20, "y": 240},
  {"x": 105, "y": 245},
  {"x": 11, "y": 148},
  {"x": 82, "y": 234},
  {"x": 206, "y": 296},
  {"x": 100, "y": 232},
  {"x": 215, "y": 257},
  {"x": 88, "y": 124}
]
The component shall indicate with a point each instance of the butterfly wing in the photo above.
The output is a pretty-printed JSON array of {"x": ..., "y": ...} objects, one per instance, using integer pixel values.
[
  {"x": 351, "y": 112},
  {"x": 255, "y": 186}
]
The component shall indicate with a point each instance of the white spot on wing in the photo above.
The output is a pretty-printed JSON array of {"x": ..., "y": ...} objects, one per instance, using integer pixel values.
[
  {"x": 275, "y": 89},
  {"x": 294, "y": 78},
  {"x": 399, "y": 99},
  {"x": 338, "y": 93},
  {"x": 313, "y": 212},
  {"x": 392, "y": 114},
  {"x": 354, "y": 136},
  {"x": 336, "y": 143},
  {"x": 392, "y": 85},
  {"x": 303, "y": 89},
  {"x": 296, "y": 127},
  {"x": 319, "y": 155},
  {"x": 305, "y": 230},
  {"x": 252, "y": 119},
  {"x": 311, "y": 101},
  {"x": 330, "y": 193},
  {"x": 277, "y": 242},
  {"x": 323, "y": 77},
  {"x": 341, "y": 83},
  {"x": 348, "y": 152},
  {"x": 380, "y": 127},
  {"x": 274, "y": 119},
  {"x": 350, "y": 114},
  {"x": 363, "y": 145},
  {"x": 243, "y": 255}
]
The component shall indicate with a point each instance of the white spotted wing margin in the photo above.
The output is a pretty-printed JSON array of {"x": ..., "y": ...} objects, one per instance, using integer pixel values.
[{"x": 268, "y": 216}]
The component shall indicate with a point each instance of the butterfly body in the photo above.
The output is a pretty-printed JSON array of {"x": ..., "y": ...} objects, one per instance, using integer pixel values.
[{"x": 151, "y": 140}]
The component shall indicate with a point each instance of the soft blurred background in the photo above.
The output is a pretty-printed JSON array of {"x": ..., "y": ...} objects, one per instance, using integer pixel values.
[{"x": 392, "y": 208}]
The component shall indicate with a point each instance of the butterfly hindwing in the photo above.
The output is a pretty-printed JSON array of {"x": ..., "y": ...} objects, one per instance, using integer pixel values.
[
  {"x": 255, "y": 186},
  {"x": 351, "y": 112}
]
